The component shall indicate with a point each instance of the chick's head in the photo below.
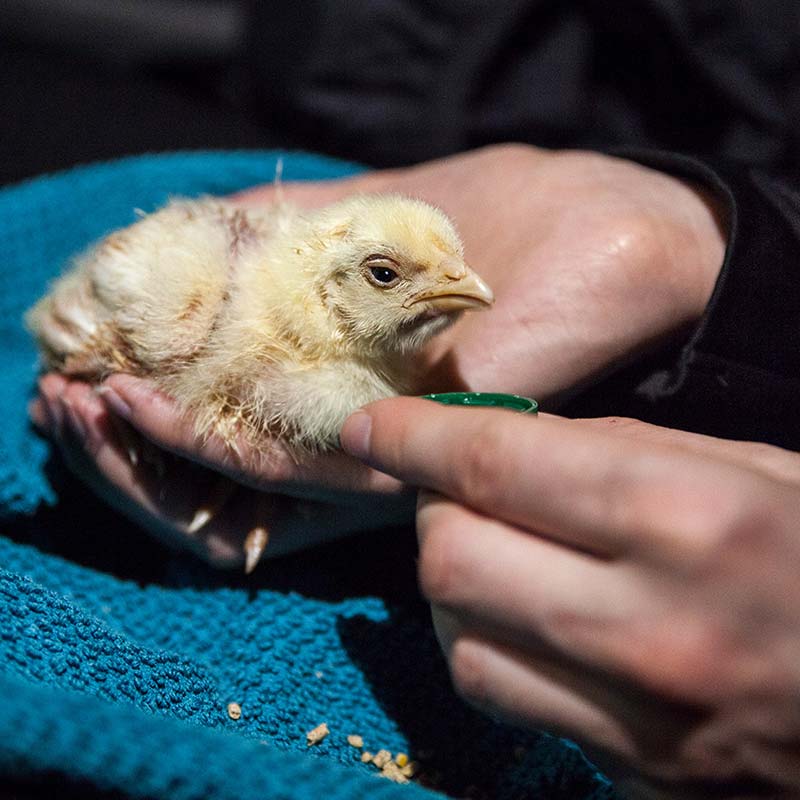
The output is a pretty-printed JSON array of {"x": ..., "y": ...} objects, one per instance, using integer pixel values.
[{"x": 395, "y": 273}]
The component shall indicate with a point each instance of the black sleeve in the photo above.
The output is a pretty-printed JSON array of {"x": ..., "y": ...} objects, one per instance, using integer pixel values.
[{"x": 738, "y": 374}]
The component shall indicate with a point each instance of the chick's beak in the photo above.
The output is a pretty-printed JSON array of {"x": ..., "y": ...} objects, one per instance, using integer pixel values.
[{"x": 458, "y": 289}]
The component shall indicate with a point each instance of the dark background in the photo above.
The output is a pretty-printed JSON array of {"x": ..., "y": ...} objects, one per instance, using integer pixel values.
[
  {"x": 396, "y": 81},
  {"x": 87, "y": 80}
]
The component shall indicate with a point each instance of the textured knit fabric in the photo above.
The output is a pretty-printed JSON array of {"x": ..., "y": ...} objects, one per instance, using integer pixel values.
[{"x": 118, "y": 657}]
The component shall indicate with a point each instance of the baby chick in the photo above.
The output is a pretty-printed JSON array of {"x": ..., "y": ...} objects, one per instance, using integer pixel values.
[{"x": 265, "y": 324}]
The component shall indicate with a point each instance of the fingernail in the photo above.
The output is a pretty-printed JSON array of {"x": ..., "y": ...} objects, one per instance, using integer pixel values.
[
  {"x": 114, "y": 401},
  {"x": 74, "y": 420},
  {"x": 355, "y": 434}
]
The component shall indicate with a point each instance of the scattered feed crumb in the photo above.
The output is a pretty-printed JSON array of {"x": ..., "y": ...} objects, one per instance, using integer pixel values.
[
  {"x": 400, "y": 769},
  {"x": 234, "y": 710},
  {"x": 319, "y": 673},
  {"x": 318, "y": 734},
  {"x": 391, "y": 771}
]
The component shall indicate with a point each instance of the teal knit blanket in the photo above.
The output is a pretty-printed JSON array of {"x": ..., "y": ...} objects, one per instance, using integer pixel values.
[{"x": 119, "y": 657}]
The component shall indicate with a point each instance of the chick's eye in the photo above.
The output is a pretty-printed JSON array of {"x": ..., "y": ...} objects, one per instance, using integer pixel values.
[{"x": 381, "y": 273}]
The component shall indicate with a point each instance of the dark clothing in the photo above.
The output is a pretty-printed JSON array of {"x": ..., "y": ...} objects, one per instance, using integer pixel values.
[
  {"x": 389, "y": 82},
  {"x": 399, "y": 81}
]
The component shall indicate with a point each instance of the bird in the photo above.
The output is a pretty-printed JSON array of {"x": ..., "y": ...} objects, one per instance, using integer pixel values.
[{"x": 266, "y": 324}]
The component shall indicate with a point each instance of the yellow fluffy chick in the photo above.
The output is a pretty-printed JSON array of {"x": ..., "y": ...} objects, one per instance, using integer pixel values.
[
  {"x": 269, "y": 323},
  {"x": 273, "y": 323}
]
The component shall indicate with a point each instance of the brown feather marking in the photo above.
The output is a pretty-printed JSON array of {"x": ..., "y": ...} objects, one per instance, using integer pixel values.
[
  {"x": 240, "y": 230},
  {"x": 193, "y": 305},
  {"x": 105, "y": 352}
]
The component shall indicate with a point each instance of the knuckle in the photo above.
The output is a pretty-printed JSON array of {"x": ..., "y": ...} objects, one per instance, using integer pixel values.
[
  {"x": 668, "y": 652},
  {"x": 754, "y": 517},
  {"x": 480, "y": 473},
  {"x": 468, "y": 671},
  {"x": 745, "y": 527},
  {"x": 442, "y": 566},
  {"x": 703, "y": 656},
  {"x": 687, "y": 664},
  {"x": 574, "y": 630},
  {"x": 705, "y": 539},
  {"x": 620, "y": 504}
]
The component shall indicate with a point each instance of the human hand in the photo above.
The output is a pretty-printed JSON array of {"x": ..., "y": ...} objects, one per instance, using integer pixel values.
[
  {"x": 630, "y": 586},
  {"x": 591, "y": 258},
  {"x": 134, "y": 447}
]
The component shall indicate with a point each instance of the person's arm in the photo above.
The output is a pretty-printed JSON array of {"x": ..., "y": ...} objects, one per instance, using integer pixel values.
[{"x": 737, "y": 373}]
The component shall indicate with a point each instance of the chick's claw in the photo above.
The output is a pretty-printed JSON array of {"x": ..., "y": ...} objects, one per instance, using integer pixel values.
[
  {"x": 254, "y": 546},
  {"x": 220, "y": 494},
  {"x": 201, "y": 517},
  {"x": 256, "y": 540}
]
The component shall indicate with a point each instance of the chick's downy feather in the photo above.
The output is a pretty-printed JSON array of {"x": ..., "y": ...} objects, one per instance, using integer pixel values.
[{"x": 267, "y": 323}]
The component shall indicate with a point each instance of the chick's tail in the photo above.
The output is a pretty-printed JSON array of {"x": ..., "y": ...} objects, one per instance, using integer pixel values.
[{"x": 71, "y": 331}]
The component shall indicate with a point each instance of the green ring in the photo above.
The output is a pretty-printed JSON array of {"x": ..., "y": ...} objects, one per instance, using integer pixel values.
[{"x": 524, "y": 405}]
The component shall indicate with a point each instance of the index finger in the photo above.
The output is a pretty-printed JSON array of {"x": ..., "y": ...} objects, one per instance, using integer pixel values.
[{"x": 562, "y": 478}]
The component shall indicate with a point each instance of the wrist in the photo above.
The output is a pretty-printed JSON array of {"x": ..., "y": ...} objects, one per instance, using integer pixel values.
[{"x": 705, "y": 237}]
